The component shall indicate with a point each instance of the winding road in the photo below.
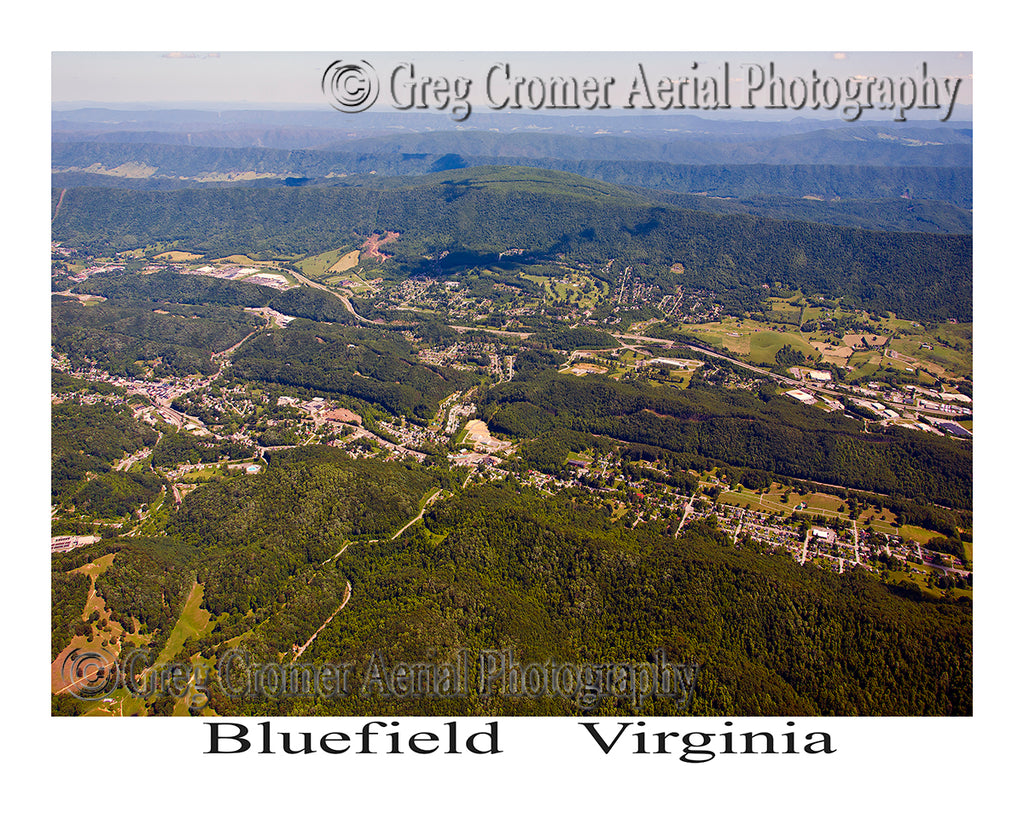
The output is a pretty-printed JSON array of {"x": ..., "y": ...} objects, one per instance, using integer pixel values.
[{"x": 344, "y": 299}]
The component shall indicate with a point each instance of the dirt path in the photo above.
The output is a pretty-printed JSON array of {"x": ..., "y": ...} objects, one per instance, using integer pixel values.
[
  {"x": 60, "y": 202},
  {"x": 226, "y": 353},
  {"x": 686, "y": 512},
  {"x": 309, "y": 642},
  {"x": 339, "y": 554},
  {"x": 430, "y": 500}
]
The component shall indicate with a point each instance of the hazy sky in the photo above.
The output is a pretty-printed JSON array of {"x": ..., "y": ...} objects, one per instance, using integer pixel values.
[{"x": 290, "y": 78}]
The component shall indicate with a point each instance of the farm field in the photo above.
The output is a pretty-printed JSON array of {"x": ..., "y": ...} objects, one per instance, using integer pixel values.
[
  {"x": 178, "y": 256},
  {"x": 239, "y": 258},
  {"x": 346, "y": 262}
]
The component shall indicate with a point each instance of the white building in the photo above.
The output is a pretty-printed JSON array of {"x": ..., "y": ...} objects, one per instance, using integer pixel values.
[{"x": 802, "y": 396}]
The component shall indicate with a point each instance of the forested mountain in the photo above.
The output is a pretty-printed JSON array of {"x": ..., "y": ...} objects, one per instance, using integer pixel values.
[
  {"x": 475, "y": 214},
  {"x": 897, "y": 214},
  {"x": 636, "y": 135},
  {"x": 711, "y": 426},
  {"x": 861, "y": 144},
  {"x": 89, "y": 439},
  {"x": 367, "y": 363},
  {"x": 505, "y": 567},
  {"x": 254, "y": 535},
  {"x": 141, "y": 162},
  {"x": 552, "y": 579},
  {"x": 118, "y": 335}
]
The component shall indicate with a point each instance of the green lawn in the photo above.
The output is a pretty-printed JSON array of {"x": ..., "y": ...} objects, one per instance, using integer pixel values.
[
  {"x": 922, "y": 536},
  {"x": 315, "y": 267},
  {"x": 751, "y": 339},
  {"x": 193, "y": 622}
]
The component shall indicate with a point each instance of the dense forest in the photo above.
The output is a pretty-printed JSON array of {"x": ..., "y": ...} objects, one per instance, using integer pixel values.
[
  {"x": 68, "y": 595},
  {"x": 366, "y": 363},
  {"x": 172, "y": 288},
  {"x": 712, "y": 425},
  {"x": 117, "y": 335},
  {"x": 257, "y": 532},
  {"x": 481, "y": 212},
  {"x": 89, "y": 438},
  {"x": 147, "y": 584},
  {"x": 502, "y": 568}
]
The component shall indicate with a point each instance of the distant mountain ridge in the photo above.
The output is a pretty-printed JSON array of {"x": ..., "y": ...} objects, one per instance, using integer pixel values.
[
  {"x": 924, "y": 199},
  {"x": 469, "y": 216}
]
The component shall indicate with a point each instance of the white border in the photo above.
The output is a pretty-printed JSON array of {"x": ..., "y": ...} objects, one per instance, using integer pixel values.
[{"x": 884, "y": 766}]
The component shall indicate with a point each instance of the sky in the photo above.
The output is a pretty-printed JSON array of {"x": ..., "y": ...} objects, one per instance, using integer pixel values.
[{"x": 293, "y": 79}]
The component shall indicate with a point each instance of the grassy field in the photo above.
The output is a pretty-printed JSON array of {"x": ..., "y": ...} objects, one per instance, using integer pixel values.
[
  {"x": 884, "y": 523},
  {"x": 193, "y": 622},
  {"x": 945, "y": 352},
  {"x": 922, "y": 536},
  {"x": 178, "y": 256},
  {"x": 865, "y": 363},
  {"x": 751, "y": 339},
  {"x": 819, "y": 503},
  {"x": 832, "y": 353},
  {"x": 754, "y": 500},
  {"x": 574, "y": 288},
  {"x": 346, "y": 262},
  {"x": 241, "y": 259},
  {"x": 97, "y": 567},
  {"x": 123, "y": 705},
  {"x": 921, "y": 581},
  {"x": 676, "y": 377},
  {"x": 319, "y": 266},
  {"x": 207, "y": 473},
  {"x": 782, "y": 312}
]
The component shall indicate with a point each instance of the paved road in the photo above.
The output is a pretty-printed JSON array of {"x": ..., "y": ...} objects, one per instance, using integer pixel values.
[
  {"x": 344, "y": 299},
  {"x": 491, "y": 330}
]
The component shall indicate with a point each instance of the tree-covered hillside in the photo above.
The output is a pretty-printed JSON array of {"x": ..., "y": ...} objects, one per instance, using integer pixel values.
[
  {"x": 476, "y": 214},
  {"x": 549, "y": 580}
]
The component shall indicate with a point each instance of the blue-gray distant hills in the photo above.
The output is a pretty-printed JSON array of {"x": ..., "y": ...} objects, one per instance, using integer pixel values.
[
  {"x": 878, "y": 175},
  {"x": 905, "y": 198}
]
